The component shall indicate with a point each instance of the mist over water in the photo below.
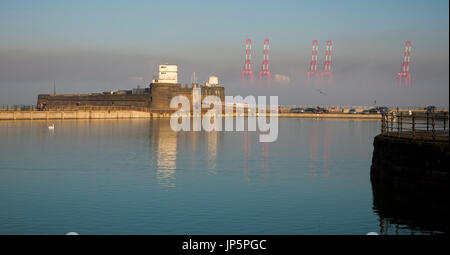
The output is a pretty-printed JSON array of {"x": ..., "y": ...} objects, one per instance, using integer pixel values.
[{"x": 24, "y": 74}]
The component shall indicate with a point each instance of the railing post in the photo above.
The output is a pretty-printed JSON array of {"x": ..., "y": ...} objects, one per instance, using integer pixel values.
[
  {"x": 388, "y": 116},
  {"x": 427, "y": 121},
  {"x": 392, "y": 122},
  {"x": 432, "y": 127},
  {"x": 383, "y": 117},
  {"x": 413, "y": 125},
  {"x": 445, "y": 121},
  {"x": 399, "y": 124}
]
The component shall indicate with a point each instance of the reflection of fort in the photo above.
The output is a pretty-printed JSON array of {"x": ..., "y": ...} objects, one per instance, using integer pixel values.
[
  {"x": 166, "y": 152},
  {"x": 213, "y": 137},
  {"x": 168, "y": 145}
]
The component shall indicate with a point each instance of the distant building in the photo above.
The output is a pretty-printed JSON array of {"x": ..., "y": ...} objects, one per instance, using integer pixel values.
[
  {"x": 156, "y": 97},
  {"x": 167, "y": 74},
  {"x": 163, "y": 89},
  {"x": 212, "y": 82}
]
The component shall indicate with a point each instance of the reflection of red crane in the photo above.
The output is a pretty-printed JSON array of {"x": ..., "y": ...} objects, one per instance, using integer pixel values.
[
  {"x": 247, "y": 71},
  {"x": 326, "y": 149},
  {"x": 326, "y": 71},
  {"x": 405, "y": 72},
  {"x": 313, "y": 66},
  {"x": 318, "y": 138},
  {"x": 265, "y": 64},
  {"x": 247, "y": 153},
  {"x": 247, "y": 144},
  {"x": 264, "y": 154},
  {"x": 313, "y": 149}
]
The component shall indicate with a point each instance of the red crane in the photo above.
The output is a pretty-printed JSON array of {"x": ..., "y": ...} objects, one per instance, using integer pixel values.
[
  {"x": 326, "y": 71},
  {"x": 405, "y": 71},
  {"x": 265, "y": 64},
  {"x": 247, "y": 71},
  {"x": 313, "y": 66}
]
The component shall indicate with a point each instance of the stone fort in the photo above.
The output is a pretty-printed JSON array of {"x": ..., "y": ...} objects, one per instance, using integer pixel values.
[{"x": 156, "y": 97}]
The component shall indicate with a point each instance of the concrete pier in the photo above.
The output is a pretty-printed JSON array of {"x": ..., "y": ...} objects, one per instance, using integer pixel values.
[
  {"x": 61, "y": 115},
  {"x": 124, "y": 114}
]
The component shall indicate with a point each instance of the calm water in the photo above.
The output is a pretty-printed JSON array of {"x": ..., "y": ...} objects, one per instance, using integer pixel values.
[{"x": 139, "y": 177}]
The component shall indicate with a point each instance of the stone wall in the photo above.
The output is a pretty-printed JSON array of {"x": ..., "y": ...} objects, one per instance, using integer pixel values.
[
  {"x": 74, "y": 101},
  {"x": 61, "y": 115},
  {"x": 407, "y": 163},
  {"x": 159, "y": 98},
  {"x": 162, "y": 94}
]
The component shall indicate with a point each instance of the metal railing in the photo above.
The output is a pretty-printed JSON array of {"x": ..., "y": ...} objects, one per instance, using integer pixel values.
[
  {"x": 73, "y": 108},
  {"x": 416, "y": 125},
  {"x": 99, "y": 108},
  {"x": 18, "y": 107}
]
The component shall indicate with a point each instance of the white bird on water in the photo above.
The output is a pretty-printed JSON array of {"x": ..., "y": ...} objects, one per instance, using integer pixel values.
[{"x": 51, "y": 127}]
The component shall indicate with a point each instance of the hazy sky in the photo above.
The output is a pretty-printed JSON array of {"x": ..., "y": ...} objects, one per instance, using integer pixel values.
[{"x": 93, "y": 46}]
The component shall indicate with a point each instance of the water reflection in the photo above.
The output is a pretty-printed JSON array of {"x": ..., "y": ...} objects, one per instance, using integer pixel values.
[
  {"x": 247, "y": 154},
  {"x": 313, "y": 149},
  {"x": 213, "y": 137},
  {"x": 166, "y": 152},
  {"x": 326, "y": 149},
  {"x": 320, "y": 135},
  {"x": 247, "y": 144},
  {"x": 403, "y": 211},
  {"x": 143, "y": 157},
  {"x": 264, "y": 155},
  {"x": 169, "y": 146}
]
